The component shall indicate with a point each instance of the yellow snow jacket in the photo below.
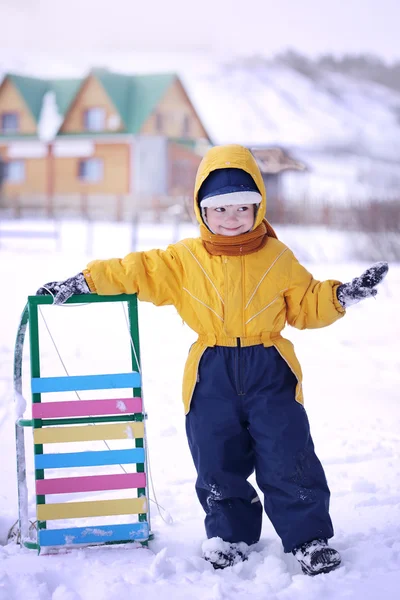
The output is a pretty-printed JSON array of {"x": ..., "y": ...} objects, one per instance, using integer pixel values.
[{"x": 225, "y": 298}]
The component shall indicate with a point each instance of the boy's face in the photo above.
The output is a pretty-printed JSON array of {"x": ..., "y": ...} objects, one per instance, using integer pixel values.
[{"x": 231, "y": 220}]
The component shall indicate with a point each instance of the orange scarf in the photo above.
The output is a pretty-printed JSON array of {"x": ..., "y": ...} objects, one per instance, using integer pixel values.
[{"x": 237, "y": 245}]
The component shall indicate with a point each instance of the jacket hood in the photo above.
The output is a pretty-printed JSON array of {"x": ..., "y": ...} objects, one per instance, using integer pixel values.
[{"x": 230, "y": 156}]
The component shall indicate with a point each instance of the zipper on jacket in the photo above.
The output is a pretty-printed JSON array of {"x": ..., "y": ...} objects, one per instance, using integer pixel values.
[{"x": 239, "y": 369}]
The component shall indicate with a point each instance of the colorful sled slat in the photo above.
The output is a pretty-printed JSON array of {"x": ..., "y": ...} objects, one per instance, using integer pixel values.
[
  {"x": 89, "y": 459},
  {"x": 89, "y": 433},
  {"x": 95, "y": 508},
  {"x": 42, "y": 385},
  {"x": 133, "y": 532},
  {"x": 91, "y": 483},
  {"x": 83, "y": 408}
]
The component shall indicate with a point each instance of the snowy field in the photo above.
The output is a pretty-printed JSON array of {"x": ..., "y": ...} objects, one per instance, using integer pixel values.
[{"x": 352, "y": 383}]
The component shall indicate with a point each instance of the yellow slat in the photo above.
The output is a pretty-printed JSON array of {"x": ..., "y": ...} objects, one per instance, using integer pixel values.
[
  {"x": 97, "y": 508},
  {"x": 89, "y": 433}
]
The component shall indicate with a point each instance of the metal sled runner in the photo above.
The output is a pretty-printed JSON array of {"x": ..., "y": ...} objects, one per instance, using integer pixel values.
[{"x": 66, "y": 420}]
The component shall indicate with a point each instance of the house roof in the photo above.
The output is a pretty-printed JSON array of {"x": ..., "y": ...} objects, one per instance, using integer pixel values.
[
  {"x": 134, "y": 96},
  {"x": 275, "y": 160},
  {"x": 65, "y": 91},
  {"x": 33, "y": 89},
  {"x": 146, "y": 93}
]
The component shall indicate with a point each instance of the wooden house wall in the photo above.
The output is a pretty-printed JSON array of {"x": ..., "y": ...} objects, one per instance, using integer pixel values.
[
  {"x": 12, "y": 101},
  {"x": 116, "y": 172},
  {"x": 35, "y": 181}
]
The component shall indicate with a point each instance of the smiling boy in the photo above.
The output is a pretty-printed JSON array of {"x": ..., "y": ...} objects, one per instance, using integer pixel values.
[{"x": 237, "y": 286}]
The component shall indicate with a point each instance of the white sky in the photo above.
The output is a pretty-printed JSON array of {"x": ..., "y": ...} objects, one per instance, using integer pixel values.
[{"x": 212, "y": 27}]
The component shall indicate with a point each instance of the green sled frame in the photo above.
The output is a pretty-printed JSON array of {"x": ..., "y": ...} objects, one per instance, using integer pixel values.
[{"x": 137, "y": 532}]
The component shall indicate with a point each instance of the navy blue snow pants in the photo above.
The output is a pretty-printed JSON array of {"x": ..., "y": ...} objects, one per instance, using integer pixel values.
[{"x": 244, "y": 418}]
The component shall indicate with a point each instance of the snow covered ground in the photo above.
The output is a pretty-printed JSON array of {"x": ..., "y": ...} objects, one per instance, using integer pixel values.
[{"x": 352, "y": 382}]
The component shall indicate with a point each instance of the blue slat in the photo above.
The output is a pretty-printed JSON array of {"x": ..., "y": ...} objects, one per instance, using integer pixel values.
[
  {"x": 89, "y": 459},
  {"x": 99, "y": 534},
  {"x": 42, "y": 385}
]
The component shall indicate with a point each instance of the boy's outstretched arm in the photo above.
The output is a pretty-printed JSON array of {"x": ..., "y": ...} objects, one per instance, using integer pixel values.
[
  {"x": 155, "y": 275},
  {"x": 312, "y": 304}
]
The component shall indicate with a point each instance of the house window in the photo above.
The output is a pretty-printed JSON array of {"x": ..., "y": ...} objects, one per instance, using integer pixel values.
[
  {"x": 9, "y": 122},
  {"x": 186, "y": 126},
  {"x": 14, "y": 171},
  {"x": 91, "y": 170},
  {"x": 94, "y": 119}
]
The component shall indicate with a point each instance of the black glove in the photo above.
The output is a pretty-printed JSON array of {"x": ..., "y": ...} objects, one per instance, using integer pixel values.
[
  {"x": 363, "y": 286},
  {"x": 62, "y": 290}
]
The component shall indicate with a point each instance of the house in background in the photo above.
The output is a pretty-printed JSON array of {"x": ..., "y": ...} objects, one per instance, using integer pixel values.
[{"x": 135, "y": 138}]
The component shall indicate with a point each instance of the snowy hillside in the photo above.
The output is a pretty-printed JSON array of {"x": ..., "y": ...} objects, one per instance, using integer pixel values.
[
  {"x": 345, "y": 129},
  {"x": 271, "y": 103},
  {"x": 352, "y": 382}
]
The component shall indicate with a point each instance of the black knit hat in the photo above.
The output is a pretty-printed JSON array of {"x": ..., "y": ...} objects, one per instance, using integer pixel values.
[{"x": 226, "y": 181}]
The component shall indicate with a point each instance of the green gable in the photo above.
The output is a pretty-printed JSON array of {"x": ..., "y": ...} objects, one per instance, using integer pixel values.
[
  {"x": 32, "y": 91},
  {"x": 65, "y": 91},
  {"x": 134, "y": 96},
  {"x": 146, "y": 92}
]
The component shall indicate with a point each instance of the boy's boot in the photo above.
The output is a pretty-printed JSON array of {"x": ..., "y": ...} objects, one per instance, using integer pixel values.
[
  {"x": 317, "y": 557},
  {"x": 224, "y": 554}
]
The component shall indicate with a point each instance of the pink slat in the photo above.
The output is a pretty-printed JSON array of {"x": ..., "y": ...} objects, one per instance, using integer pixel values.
[
  {"x": 85, "y": 408},
  {"x": 93, "y": 483}
]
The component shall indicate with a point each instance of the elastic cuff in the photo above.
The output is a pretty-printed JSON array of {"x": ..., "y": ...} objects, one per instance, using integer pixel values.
[
  {"x": 89, "y": 280},
  {"x": 336, "y": 302}
]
